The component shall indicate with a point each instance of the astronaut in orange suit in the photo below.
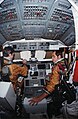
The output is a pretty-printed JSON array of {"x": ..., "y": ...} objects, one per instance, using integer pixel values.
[
  {"x": 54, "y": 78},
  {"x": 50, "y": 88},
  {"x": 14, "y": 69}
]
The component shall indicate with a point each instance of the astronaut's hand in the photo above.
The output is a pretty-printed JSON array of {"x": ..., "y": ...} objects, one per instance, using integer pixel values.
[
  {"x": 24, "y": 61},
  {"x": 34, "y": 101},
  {"x": 37, "y": 99}
]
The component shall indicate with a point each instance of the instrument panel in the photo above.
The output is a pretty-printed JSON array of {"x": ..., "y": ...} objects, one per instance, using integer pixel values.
[
  {"x": 29, "y": 19},
  {"x": 36, "y": 79},
  {"x": 33, "y": 45}
]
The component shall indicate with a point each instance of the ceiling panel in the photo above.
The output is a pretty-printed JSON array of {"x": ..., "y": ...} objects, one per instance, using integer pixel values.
[{"x": 30, "y": 19}]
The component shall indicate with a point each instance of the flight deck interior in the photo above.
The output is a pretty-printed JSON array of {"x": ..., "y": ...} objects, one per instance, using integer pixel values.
[{"x": 35, "y": 28}]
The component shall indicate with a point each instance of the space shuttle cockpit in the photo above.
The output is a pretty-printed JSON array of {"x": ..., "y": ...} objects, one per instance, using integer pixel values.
[{"x": 39, "y": 63}]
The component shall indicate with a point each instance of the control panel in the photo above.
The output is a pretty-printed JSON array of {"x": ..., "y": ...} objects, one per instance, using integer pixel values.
[
  {"x": 8, "y": 11},
  {"x": 7, "y": 3},
  {"x": 30, "y": 19},
  {"x": 34, "y": 12},
  {"x": 36, "y": 79},
  {"x": 62, "y": 16},
  {"x": 33, "y": 45}
]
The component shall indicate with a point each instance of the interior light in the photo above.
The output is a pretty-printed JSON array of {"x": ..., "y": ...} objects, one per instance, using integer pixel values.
[
  {"x": 50, "y": 30},
  {"x": 1, "y": 1}
]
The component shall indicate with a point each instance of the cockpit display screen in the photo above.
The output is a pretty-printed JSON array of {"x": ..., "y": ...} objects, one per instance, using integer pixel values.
[{"x": 41, "y": 66}]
